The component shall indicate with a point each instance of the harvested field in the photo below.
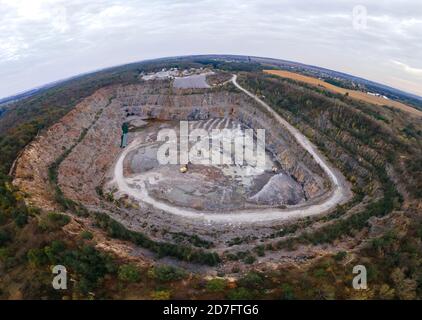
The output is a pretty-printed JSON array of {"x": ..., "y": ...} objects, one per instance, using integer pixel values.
[{"x": 359, "y": 95}]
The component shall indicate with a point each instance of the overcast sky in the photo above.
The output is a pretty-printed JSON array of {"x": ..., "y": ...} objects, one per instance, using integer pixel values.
[{"x": 46, "y": 40}]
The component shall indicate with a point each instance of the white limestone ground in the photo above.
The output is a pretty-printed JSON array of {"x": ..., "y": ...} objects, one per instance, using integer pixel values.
[{"x": 193, "y": 81}]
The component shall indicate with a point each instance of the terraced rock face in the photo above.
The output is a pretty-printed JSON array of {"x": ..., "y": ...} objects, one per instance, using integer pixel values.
[{"x": 131, "y": 186}]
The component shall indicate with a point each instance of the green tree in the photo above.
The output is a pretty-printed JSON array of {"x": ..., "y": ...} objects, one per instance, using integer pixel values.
[
  {"x": 166, "y": 273},
  {"x": 216, "y": 285},
  {"x": 129, "y": 273}
]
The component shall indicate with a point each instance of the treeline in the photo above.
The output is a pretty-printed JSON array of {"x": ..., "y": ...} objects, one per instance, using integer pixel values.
[
  {"x": 330, "y": 120},
  {"x": 348, "y": 226},
  {"x": 116, "y": 230},
  {"x": 230, "y": 66}
]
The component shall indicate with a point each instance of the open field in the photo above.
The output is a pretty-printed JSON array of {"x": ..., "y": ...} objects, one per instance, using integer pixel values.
[{"x": 352, "y": 93}]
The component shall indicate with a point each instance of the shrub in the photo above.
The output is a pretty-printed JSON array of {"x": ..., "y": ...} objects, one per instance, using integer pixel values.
[
  {"x": 249, "y": 259},
  {"x": 340, "y": 255},
  {"x": 320, "y": 273},
  {"x": 4, "y": 237},
  {"x": 216, "y": 285},
  {"x": 419, "y": 232},
  {"x": 53, "y": 221},
  {"x": 54, "y": 251},
  {"x": 193, "y": 239},
  {"x": 58, "y": 218},
  {"x": 86, "y": 235},
  {"x": 240, "y": 294},
  {"x": 252, "y": 280},
  {"x": 287, "y": 292},
  {"x": 161, "y": 295},
  {"x": 37, "y": 257},
  {"x": 21, "y": 219},
  {"x": 260, "y": 250},
  {"x": 129, "y": 273},
  {"x": 166, "y": 273},
  {"x": 4, "y": 253}
]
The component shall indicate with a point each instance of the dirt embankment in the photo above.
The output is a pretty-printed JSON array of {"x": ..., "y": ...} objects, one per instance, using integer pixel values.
[
  {"x": 83, "y": 169},
  {"x": 31, "y": 170}
]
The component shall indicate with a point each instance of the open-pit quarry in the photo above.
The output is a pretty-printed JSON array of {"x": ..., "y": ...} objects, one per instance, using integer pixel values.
[{"x": 215, "y": 202}]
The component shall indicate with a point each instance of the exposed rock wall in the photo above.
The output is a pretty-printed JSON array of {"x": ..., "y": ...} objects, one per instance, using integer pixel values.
[{"x": 31, "y": 173}]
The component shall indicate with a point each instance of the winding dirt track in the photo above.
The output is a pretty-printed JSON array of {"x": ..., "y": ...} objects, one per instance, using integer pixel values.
[{"x": 339, "y": 194}]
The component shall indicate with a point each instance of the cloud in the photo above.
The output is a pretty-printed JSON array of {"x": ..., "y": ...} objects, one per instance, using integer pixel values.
[
  {"x": 408, "y": 68},
  {"x": 12, "y": 48},
  {"x": 61, "y": 38}
]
